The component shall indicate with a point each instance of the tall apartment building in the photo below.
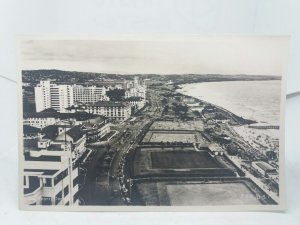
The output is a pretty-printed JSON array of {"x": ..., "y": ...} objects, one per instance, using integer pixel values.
[
  {"x": 89, "y": 94},
  {"x": 42, "y": 95},
  {"x": 60, "y": 97},
  {"x": 54, "y": 96},
  {"x": 50, "y": 177}
]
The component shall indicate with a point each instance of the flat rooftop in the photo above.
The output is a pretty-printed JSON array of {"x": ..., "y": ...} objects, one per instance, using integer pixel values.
[{"x": 264, "y": 166}]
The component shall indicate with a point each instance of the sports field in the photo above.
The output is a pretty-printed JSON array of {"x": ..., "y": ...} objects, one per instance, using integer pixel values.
[
  {"x": 200, "y": 193},
  {"x": 161, "y": 136},
  {"x": 182, "y": 160},
  {"x": 173, "y": 136},
  {"x": 211, "y": 194},
  {"x": 177, "y": 125},
  {"x": 165, "y": 149}
]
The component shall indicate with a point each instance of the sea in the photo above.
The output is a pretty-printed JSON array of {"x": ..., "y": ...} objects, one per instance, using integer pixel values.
[{"x": 254, "y": 100}]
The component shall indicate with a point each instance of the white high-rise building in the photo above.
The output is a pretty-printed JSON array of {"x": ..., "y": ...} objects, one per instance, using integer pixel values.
[
  {"x": 61, "y": 97},
  {"x": 42, "y": 95},
  {"x": 89, "y": 94},
  {"x": 54, "y": 96}
]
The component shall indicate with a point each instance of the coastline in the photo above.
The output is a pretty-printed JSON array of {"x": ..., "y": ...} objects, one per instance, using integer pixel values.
[
  {"x": 178, "y": 84},
  {"x": 244, "y": 99},
  {"x": 260, "y": 140},
  {"x": 239, "y": 119}
]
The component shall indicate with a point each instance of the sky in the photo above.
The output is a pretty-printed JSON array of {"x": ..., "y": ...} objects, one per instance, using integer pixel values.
[{"x": 253, "y": 55}]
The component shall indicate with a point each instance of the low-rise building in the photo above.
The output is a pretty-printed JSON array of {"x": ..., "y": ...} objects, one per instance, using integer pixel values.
[
  {"x": 76, "y": 137},
  {"x": 136, "y": 102},
  {"x": 216, "y": 149},
  {"x": 112, "y": 110},
  {"x": 264, "y": 168},
  {"x": 41, "y": 119},
  {"x": 30, "y": 132},
  {"x": 50, "y": 117},
  {"x": 96, "y": 129}
]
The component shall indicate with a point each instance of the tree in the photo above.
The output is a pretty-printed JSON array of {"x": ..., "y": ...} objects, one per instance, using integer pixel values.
[
  {"x": 197, "y": 113},
  {"x": 232, "y": 149},
  {"x": 164, "y": 101},
  {"x": 116, "y": 94},
  {"x": 271, "y": 155}
]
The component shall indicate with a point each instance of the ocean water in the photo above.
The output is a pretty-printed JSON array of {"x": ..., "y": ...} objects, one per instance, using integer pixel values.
[{"x": 255, "y": 100}]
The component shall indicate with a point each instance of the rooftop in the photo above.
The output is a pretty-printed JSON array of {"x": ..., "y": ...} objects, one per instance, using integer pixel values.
[
  {"x": 76, "y": 133},
  {"x": 133, "y": 98},
  {"x": 30, "y": 130},
  {"x": 107, "y": 104},
  {"x": 30, "y": 143},
  {"x": 50, "y": 131},
  {"x": 79, "y": 116},
  {"x": 264, "y": 166}
]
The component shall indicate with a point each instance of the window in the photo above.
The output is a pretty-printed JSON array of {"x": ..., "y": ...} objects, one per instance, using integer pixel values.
[
  {"x": 75, "y": 197},
  {"x": 46, "y": 201},
  {"x": 75, "y": 181},
  {"x": 58, "y": 197},
  {"x": 60, "y": 176},
  {"x": 48, "y": 182},
  {"x": 66, "y": 190}
]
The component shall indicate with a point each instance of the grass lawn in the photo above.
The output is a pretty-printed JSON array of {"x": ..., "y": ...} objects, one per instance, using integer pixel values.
[{"x": 182, "y": 160}]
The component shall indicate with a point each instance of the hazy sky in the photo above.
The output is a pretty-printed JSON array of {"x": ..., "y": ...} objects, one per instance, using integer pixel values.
[{"x": 201, "y": 55}]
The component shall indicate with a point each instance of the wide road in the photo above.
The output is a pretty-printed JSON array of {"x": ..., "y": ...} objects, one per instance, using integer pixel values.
[
  {"x": 122, "y": 149},
  {"x": 90, "y": 193},
  {"x": 143, "y": 120}
]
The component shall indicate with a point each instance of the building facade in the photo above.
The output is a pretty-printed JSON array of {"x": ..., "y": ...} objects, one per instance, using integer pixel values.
[
  {"x": 50, "y": 177},
  {"x": 89, "y": 94},
  {"x": 76, "y": 137},
  {"x": 42, "y": 96},
  {"x": 50, "y": 117},
  {"x": 54, "y": 96},
  {"x": 136, "y": 102},
  {"x": 112, "y": 110},
  {"x": 95, "y": 129}
]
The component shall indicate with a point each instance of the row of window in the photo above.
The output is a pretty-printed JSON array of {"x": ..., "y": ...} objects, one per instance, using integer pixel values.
[
  {"x": 58, "y": 197},
  {"x": 60, "y": 176}
]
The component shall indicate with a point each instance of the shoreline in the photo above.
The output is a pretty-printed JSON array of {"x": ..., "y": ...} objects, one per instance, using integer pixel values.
[
  {"x": 242, "y": 128},
  {"x": 222, "y": 80},
  {"x": 241, "y": 120}
]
